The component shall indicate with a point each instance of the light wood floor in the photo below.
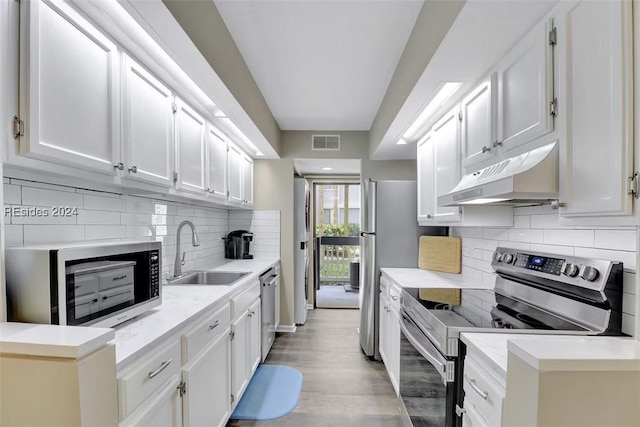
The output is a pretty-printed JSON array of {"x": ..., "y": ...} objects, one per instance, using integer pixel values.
[{"x": 341, "y": 386}]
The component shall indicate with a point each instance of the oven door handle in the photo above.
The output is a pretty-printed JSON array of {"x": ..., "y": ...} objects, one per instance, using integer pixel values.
[{"x": 440, "y": 365}]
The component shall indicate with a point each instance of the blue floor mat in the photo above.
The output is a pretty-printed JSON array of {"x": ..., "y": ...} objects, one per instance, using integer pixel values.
[{"x": 273, "y": 392}]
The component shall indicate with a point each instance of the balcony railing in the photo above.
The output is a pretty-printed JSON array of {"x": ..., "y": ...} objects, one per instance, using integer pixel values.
[{"x": 333, "y": 259}]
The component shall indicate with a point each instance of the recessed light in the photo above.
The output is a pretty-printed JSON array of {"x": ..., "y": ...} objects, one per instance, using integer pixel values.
[
  {"x": 326, "y": 169},
  {"x": 259, "y": 153}
]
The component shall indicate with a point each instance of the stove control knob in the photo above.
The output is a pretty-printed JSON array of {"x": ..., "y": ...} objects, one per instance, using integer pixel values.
[
  {"x": 508, "y": 258},
  {"x": 570, "y": 270},
  {"x": 498, "y": 256},
  {"x": 589, "y": 273}
]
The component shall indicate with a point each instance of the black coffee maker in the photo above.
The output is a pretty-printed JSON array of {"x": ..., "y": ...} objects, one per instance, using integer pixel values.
[{"x": 238, "y": 245}]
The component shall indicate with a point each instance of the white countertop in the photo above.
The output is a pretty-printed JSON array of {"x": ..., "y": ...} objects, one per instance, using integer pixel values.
[
  {"x": 31, "y": 339},
  {"x": 556, "y": 352},
  {"x": 418, "y": 278},
  {"x": 179, "y": 305}
]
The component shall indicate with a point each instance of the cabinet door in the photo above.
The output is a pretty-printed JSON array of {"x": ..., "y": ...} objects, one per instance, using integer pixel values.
[
  {"x": 148, "y": 126},
  {"x": 235, "y": 174},
  {"x": 255, "y": 336},
  {"x": 598, "y": 149},
  {"x": 207, "y": 401},
  {"x": 525, "y": 89},
  {"x": 382, "y": 329},
  {"x": 247, "y": 180},
  {"x": 239, "y": 355},
  {"x": 478, "y": 115},
  {"x": 69, "y": 86},
  {"x": 446, "y": 154},
  {"x": 394, "y": 350},
  {"x": 162, "y": 410},
  {"x": 425, "y": 170},
  {"x": 216, "y": 163},
  {"x": 190, "y": 149}
]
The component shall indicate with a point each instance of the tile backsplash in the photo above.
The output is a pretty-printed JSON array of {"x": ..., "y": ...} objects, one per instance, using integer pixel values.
[
  {"x": 265, "y": 225},
  {"x": 98, "y": 215},
  {"x": 538, "y": 228}
]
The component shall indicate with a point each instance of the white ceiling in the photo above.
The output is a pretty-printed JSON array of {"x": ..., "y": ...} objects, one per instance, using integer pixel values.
[
  {"x": 321, "y": 65},
  {"x": 338, "y": 166}
]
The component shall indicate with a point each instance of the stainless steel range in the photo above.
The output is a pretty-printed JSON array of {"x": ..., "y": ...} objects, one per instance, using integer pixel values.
[{"x": 534, "y": 293}]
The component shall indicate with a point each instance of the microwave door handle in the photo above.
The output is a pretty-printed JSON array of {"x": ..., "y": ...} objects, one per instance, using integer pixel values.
[{"x": 439, "y": 365}]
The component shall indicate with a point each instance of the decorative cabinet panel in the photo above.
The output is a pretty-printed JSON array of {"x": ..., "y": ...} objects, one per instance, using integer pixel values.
[
  {"x": 235, "y": 174},
  {"x": 247, "y": 181},
  {"x": 425, "y": 167},
  {"x": 597, "y": 76},
  {"x": 217, "y": 174},
  {"x": 69, "y": 95},
  {"x": 525, "y": 89},
  {"x": 446, "y": 155},
  {"x": 190, "y": 149},
  {"x": 148, "y": 126},
  {"x": 478, "y": 114}
]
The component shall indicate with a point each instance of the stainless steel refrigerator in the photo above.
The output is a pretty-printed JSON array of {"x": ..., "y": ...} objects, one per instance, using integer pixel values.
[{"x": 389, "y": 238}]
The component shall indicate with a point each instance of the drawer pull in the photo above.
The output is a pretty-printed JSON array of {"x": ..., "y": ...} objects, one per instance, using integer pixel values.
[
  {"x": 215, "y": 325},
  {"x": 251, "y": 313},
  {"x": 393, "y": 297},
  {"x": 474, "y": 386},
  {"x": 162, "y": 367},
  {"x": 119, "y": 277}
]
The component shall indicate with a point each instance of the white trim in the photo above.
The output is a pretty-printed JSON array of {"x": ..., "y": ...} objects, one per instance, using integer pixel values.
[
  {"x": 287, "y": 328},
  {"x": 310, "y": 307}
]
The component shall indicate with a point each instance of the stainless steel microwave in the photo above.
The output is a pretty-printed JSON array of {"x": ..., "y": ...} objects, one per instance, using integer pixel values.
[{"x": 84, "y": 284}]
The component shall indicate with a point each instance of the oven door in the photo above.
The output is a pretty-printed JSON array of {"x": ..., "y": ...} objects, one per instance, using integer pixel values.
[{"x": 427, "y": 388}]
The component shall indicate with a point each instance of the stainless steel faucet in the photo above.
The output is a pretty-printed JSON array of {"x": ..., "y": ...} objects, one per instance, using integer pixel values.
[{"x": 177, "y": 267}]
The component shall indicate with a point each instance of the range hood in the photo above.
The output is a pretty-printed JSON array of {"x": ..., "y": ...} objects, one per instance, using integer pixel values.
[{"x": 530, "y": 178}]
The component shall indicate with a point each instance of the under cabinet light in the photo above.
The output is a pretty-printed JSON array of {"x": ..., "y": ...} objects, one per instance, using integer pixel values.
[
  {"x": 402, "y": 141},
  {"x": 446, "y": 91},
  {"x": 327, "y": 169}
]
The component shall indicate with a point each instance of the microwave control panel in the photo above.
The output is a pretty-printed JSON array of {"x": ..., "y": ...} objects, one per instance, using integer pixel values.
[{"x": 154, "y": 273}]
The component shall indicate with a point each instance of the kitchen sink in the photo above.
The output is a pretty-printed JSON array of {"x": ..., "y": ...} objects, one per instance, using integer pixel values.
[{"x": 208, "y": 278}]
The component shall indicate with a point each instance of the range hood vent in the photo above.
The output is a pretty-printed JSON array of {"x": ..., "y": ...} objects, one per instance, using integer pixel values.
[{"x": 530, "y": 178}]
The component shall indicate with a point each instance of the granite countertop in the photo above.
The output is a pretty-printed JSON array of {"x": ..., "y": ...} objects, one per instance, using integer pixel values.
[
  {"x": 555, "y": 352},
  {"x": 180, "y": 304},
  {"x": 418, "y": 278}
]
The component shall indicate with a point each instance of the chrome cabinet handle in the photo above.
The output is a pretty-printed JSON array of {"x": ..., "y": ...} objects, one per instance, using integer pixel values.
[
  {"x": 496, "y": 143},
  {"x": 393, "y": 297},
  {"x": 485, "y": 148},
  {"x": 119, "y": 277},
  {"x": 429, "y": 216},
  {"x": 215, "y": 325},
  {"x": 474, "y": 386},
  {"x": 133, "y": 169},
  {"x": 251, "y": 313},
  {"x": 162, "y": 367},
  {"x": 119, "y": 166}
]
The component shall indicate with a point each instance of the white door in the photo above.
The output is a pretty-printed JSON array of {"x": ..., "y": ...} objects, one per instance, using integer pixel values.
[
  {"x": 478, "y": 115},
  {"x": 425, "y": 171},
  {"x": 247, "y": 180},
  {"x": 190, "y": 149},
  {"x": 525, "y": 89},
  {"x": 597, "y": 75},
  {"x": 148, "y": 126},
  {"x": 216, "y": 163},
  {"x": 235, "y": 174},
  {"x": 207, "y": 401},
  {"x": 446, "y": 154},
  {"x": 164, "y": 409},
  {"x": 239, "y": 355},
  {"x": 255, "y": 336},
  {"x": 69, "y": 88}
]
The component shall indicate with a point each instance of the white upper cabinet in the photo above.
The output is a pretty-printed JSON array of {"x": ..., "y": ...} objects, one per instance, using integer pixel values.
[
  {"x": 525, "y": 89},
  {"x": 216, "y": 163},
  {"x": 425, "y": 167},
  {"x": 235, "y": 174},
  {"x": 190, "y": 149},
  {"x": 69, "y": 92},
  {"x": 148, "y": 126},
  {"x": 247, "y": 180},
  {"x": 596, "y": 75},
  {"x": 446, "y": 155},
  {"x": 478, "y": 114}
]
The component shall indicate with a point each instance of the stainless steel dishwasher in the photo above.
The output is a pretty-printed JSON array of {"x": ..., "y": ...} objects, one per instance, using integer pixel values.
[{"x": 270, "y": 295}]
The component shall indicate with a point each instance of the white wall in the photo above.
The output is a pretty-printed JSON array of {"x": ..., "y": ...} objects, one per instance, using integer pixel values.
[
  {"x": 103, "y": 215},
  {"x": 538, "y": 229}
]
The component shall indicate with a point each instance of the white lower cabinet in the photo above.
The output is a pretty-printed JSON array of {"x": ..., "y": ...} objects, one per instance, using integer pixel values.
[
  {"x": 484, "y": 394},
  {"x": 245, "y": 347},
  {"x": 162, "y": 410},
  {"x": 255, "y": 331},
  {"x": 389, "y": 331}
]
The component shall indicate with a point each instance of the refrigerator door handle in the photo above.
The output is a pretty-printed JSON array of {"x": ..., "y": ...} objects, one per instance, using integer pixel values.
[{"x": 367, "y": 233}]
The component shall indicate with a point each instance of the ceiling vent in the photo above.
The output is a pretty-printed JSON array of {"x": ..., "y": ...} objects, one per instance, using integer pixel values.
[{"x": 325, "y": 142}]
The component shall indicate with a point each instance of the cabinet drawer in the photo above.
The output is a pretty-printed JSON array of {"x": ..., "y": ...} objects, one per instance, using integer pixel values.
[
  {"x": 143, "y": 379},
  {"x": 116, "y": 277},
  {"x": 394, "y": 298},
  {"x": 472, "y": 418},
  {"x": 85, "y": 284},
  {"x": 241, "y": 302},
  {"x": 385, "y": 285},
  {"x": 205, "y": 332},
  {"x": 115, "y": 296},
  {"x": 483, "y": 392}
]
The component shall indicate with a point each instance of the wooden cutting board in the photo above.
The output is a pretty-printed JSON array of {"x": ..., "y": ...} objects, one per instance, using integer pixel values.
[
  {"x": 440, "y": 254},
  {"x": 447, "y": 296}
]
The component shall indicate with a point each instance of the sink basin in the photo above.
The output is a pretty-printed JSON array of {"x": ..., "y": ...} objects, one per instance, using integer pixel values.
[{"x": 208, "y": 278}]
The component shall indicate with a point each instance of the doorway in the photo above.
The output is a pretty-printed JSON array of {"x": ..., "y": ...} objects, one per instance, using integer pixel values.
[{"x": 337, "y": 245}]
